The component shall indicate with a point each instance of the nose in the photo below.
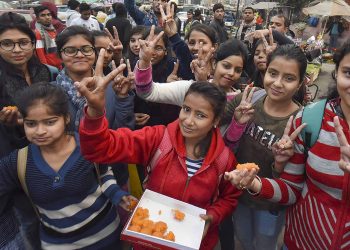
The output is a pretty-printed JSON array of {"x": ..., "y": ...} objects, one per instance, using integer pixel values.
[
  {"x": 41, "y": 129},
  {"x": 17, "y": 48},
  {"x": 189, "y": 121},
  {"x": 196, "y": 46},
  {"x": 278, "y": 82},
  {"x": 79, "y": 54}
]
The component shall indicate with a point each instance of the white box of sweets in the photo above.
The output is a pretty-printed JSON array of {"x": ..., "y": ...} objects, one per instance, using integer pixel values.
[{"x": 188, "y": 232}]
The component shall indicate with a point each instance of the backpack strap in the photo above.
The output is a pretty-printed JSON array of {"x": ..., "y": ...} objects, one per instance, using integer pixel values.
[
  {"x": 163, "y": 149},
  {"x": 312, "y": 116},
  {"x": 221, "y": 163},
  {"x": 22, "y": 157}
]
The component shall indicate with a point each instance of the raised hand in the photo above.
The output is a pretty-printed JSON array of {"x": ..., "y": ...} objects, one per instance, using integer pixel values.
[
  {"x": 10, "y": 117},
  {"x": 201, "y": 66},
  {"x": 344, "y": 162},
  {"x": 122, "y": 84},
  {"x": 116, "y": 44},
  {"x": 169, "y": 24},
  {"x": 147, "y": 48},
  {"x": 245, "y": 112},
  {"x": 269, "y": 46},
  {"x": 283, "y": 149},
  {"x": 173, "y": 76},
  {"x": 94, "y": 88}
]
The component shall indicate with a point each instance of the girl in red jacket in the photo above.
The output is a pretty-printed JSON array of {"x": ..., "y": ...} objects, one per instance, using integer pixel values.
[{"x": 191, "y": 171}]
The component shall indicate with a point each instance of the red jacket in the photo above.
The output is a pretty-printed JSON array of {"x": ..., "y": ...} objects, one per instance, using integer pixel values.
[{"x": 169, "y": 176}]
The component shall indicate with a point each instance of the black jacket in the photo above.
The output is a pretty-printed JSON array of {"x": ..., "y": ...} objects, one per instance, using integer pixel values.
[
  {"x": 123, "y": 26},
  {"x": 220, "y": 29}
]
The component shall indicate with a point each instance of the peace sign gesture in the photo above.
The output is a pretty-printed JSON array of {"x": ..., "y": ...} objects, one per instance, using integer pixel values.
[
  {"x": 269, "y": 46},
  {"x": 344, "y": 162},
  {"x": 94, "y": 88},
  {"x": 173, "y": 76},
  {"x": 169, "y": 23},
  {"x": 283, "y": 149},
  {"x": 122, "y": 84},
  {"x": 201, "y": 66},
  {"x": 116, "y": 44},
  {"x": 244, "y": 112},
  {"x": 147, "y": 48}
]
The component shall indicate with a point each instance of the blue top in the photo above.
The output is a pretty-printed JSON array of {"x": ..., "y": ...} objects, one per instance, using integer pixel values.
[
  {"x": 75, "y": 210},
  {"x": 184, "y": 55},
  {"x": 140, "y": 18}
]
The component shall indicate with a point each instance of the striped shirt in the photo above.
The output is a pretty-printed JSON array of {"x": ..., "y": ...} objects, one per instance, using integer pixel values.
[
  {"x": 317, "y": 188},
  {"x": 75, "y": 211},
  {"x": 193, "y": 166}
]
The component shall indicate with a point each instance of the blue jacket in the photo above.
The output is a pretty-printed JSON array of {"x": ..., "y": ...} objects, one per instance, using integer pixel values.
[{"x": 140, "y": 18}]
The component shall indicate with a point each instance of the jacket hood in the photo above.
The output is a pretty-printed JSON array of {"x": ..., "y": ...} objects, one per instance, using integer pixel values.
[{"x": 217, "y": 144}]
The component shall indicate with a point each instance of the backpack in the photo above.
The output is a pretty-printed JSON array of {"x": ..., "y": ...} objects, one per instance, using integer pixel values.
[
  {"x": 165, "y": 147},
  {"x": 313, "y": 116}
]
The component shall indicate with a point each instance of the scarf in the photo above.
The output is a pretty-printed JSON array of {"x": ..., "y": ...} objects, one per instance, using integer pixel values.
[
  {"x": 47, "y": 40},
  {"x": 250, "y": 27},
  {"x": 67, "y": 84}
]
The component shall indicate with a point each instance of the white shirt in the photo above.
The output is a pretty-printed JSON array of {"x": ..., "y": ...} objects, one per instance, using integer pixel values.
[{"x": 90, "y": 24}]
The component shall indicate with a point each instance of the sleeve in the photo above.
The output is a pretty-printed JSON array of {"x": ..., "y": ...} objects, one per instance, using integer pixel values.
[
  {"x": 182, "y": 53},
  {"x": 230, "y": 109},
  {"x": 134, "y": 12},
  {"x": 40, "y": 50},
  {"x": 102, "y": 145},
  {"x": 168, "y": 93},
  {"x": 234, "y": 133},
  {"x": 280, "y": 38},
  {"x": 227, "y": 199},
  {"x": 109, "y": 185},
  {"x": 120, "y": 111},
  {"x": 9, "y": 181},
  {"x": 287, "y": 189}
]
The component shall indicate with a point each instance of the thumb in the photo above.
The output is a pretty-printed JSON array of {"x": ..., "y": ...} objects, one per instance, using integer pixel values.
[
  {"x": 82, "y": 87},
  {"x": 176, "y": 68}
]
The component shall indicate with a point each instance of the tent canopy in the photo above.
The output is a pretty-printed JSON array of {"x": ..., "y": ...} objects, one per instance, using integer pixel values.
[
  {"x": 328, "y": 8},
  {"x": 265, "y": 5}
]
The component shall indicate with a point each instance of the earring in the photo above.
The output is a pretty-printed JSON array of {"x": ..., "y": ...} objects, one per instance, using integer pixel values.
[{"x": 214, "y": 126}]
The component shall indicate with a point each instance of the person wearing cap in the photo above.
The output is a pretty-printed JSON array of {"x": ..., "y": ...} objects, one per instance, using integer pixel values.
[
  {"x": 72, "y": 12},
  {"x": 218, "y": 22},
  {"x": 147, "y": 18}
]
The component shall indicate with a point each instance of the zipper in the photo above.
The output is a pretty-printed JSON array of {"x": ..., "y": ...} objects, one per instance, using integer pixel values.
[{"x": 186, "y": 185}]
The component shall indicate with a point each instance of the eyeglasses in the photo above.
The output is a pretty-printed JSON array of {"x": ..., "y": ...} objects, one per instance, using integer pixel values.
[
  {"x": 108, "y": 50},
  {"x": 86, "y": 50},
  {"x": 9, "y": 45}
]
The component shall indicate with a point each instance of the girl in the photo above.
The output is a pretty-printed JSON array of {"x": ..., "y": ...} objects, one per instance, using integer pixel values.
[
  {"x": 190, "y": 171},
  {"x": 258, "y": 223},
  {"x": 134, "y": 45},
  {"x": 315, "y": 184},
  {"x": 76, "y": 47},
  {"x": 103, "y": 41},
  {"x": 162, "y": 66},
  {"x": 74, "y": 209},
  {"x": 19, "y": 68},
  {"x": 187, "y": 51},
  {"x": 229, "y": 62}
]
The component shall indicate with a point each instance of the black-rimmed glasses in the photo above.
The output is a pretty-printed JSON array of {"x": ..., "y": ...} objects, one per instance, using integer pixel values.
[
  {"x": 86, "y": 50},
  {"x": 9, "y": 45}
]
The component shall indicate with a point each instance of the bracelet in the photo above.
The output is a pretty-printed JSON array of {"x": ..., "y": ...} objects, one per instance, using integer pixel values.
[{"x": 252, "y": 193}]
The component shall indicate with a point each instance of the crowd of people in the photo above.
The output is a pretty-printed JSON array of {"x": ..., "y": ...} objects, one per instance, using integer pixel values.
[{"x": 81, "y": 100}]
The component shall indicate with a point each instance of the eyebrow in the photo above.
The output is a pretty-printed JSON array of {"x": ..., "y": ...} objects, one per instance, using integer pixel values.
[{"x": 54, "y": 117}]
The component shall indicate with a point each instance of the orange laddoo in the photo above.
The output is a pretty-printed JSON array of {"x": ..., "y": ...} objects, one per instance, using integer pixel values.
[
  {"x": 169, "y": 236},
  {"x": 160, "y": 226},
  {"x": 178, "y": 215},
  {"x": 142, "y": 212},
  {"x": 135, "y": 228},
  {"x": 248, "y": 166},
  {"x": 146, "y": 230},
  {"x": 148, "y": 224},
  {"x": 158, "y": 234},
  {"x": 136, "y": 220},
  {"x": 132, "y": 203},
  {"x": 11, "y": 108}
]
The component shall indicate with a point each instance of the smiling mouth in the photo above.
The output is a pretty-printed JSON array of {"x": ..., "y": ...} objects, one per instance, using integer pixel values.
[
  {"x": 187, "y": 130},
  {"x": 276, "y": 91}
]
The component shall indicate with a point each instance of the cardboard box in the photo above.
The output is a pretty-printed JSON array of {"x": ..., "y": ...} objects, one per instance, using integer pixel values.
[{"x": 188, "y": 233}]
